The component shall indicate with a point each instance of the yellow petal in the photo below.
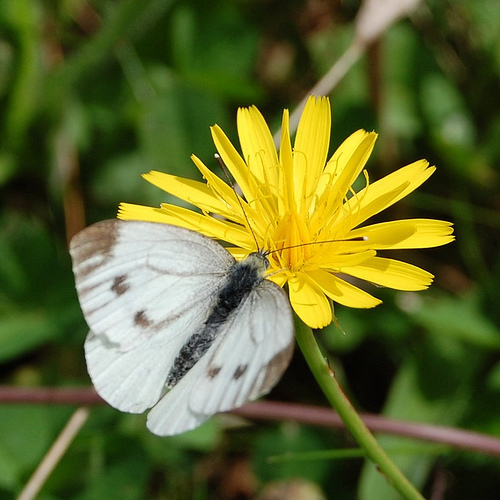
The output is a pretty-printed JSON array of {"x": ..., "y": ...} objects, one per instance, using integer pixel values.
[
  {"x": 177, "y": 216},
  {"x": 257, "y": 145},
  {"x": 194, "y": 192},
  {"x": 386, "y": 191},
  {"x": 254, "y": 215},
  {"x": 279, "y": 278},
  {"x": 343, "y": 292},
  {"x": 391, "y": 273},
  {"x": 334, "y": 262},
  {"x": 234, "y": 162},
  {"x": 130, "y": 211},
  {"x": 403, "y": 234},
  {"x": 311, "y": 148},
  {"x": 352, "y": 155},
  {"x": 286, "y": 186},
  {"x": 309, "y": 302},
  {"x": 229, "y": 205},
  {"x": 341, "y": 171},
  {"x": 349, "y": 160}
]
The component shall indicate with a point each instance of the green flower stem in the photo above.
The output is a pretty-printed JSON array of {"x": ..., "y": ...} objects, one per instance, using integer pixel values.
[{"x": 332, "y": 390}]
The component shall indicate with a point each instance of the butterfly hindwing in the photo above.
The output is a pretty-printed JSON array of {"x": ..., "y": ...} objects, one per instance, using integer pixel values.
[
  {"x": 252, "y": 350},
  {"x": 131, "y": 380}
]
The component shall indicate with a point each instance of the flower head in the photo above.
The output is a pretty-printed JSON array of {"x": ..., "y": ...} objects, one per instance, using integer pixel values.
[{"x": 302, "y": 209}]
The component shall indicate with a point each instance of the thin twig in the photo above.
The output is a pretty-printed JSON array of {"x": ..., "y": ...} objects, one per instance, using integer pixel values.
[
  {"x": 54, "y": 455},
  {"x": 271, "y": 410},
  {"x": 373, "y": 20},
  {"x": 325, "y": 417},
  {"x": 50, "y": 395}
]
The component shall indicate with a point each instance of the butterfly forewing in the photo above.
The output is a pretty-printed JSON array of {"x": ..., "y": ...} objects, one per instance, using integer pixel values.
[
  {"x": 133, "y": 277},
  {"x": 145, "y": 288}
]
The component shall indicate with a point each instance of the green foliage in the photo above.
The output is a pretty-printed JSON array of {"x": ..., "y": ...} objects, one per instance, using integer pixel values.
[
  {"x": 92, "y": 94},
  {"x": 23, "y": 444}
]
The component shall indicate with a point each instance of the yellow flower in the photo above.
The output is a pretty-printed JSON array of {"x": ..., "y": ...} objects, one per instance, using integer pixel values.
[{"x": 303, "y": 210}]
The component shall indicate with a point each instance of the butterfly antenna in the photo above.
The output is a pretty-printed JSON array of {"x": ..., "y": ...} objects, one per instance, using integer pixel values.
[
  {"x": 230, "y": 182},
  {"x": 355, "y": 238}
]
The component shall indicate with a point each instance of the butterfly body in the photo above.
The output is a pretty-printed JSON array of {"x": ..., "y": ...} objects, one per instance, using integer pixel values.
[
  {"x": 176, "y": 323},
  {"x": 243, "y": 277}
]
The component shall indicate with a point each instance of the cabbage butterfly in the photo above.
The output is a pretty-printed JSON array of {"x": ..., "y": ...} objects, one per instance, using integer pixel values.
[{"x": 177, "y": 325}]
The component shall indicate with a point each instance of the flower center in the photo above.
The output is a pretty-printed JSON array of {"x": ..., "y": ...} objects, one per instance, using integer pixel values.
[{"x": 290, "y": 243}]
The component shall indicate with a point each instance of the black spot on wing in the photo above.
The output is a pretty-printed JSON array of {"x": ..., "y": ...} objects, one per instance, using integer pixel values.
[
  {"x": 141, "y": 319},
  {"x": 240, "y": 371},
  {"x": 120, "y": 286},
  {"x": 213, "y": 371}
]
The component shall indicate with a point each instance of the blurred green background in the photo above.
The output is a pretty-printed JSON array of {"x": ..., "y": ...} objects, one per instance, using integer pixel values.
[{"x": 92, "y": 94}]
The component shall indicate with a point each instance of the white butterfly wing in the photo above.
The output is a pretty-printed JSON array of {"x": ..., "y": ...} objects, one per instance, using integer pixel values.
[
  {"x": 132, "y": 380},
  {"x": 134, "y": 277},
  {"x": 251, "y": 352},
  {"x": 144, "y": 288}
]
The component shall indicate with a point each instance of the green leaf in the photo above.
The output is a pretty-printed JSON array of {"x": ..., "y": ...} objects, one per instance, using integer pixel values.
[
  {"x": 26, "y": 433},
  {"x": 124, "y": 480},
  {"x": 459, "y": 317},
  {"x": 289, "y": 438},
  {"x": 22, "y": 331},
  {"x": 434, "y": 386}
]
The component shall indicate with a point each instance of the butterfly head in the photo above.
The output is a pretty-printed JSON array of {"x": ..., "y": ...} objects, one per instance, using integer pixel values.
[{"x": 258, "y": 262}]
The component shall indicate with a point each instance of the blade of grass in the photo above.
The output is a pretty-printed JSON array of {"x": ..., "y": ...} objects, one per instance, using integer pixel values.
[{"x": 55, "y": 453}]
